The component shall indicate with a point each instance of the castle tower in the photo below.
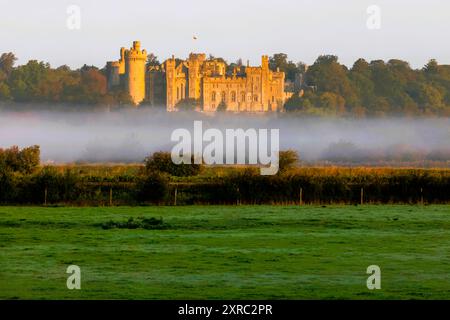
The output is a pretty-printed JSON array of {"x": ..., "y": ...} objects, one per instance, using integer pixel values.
[
  {"x": 195, "y": 62},
  {"x": 115, "y": 70},
  {"x": 135, "y": 59},
  {"x": 113, "y": 76},
  {"x": 265, "y": 75},
  {"x": 171, "y": 83}
]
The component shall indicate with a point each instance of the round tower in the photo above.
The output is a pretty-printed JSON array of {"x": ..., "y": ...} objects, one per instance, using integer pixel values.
[{"x": 135, "y": 59}]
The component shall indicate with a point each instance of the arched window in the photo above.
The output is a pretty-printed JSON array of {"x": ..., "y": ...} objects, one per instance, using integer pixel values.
[
  {"x": 233, "y": 96},
  {"x": 224, "y": 96},
  {"x": 213, "y": 96},
  {"x": 243, "y": 97},
  {"x": 256, "y": 98}
]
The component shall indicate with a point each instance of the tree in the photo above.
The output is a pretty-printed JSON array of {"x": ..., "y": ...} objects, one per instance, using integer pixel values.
[
  {"x": 327, "y": 75},
  {"x": 431, "y": 67},
  {"x": 280, "y": 61},
  {"x": 25, "y": 160},
  {"x": 152, "y": 60},
  {"x": 287, "y": 160},
  {"x": 7, "y": 61}
]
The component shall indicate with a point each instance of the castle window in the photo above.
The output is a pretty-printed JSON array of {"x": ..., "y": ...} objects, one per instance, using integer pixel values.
[
  {"x": 256, "y": 98},
  {"x": 273, "y": 99},
  {"x": 243, "y": 97},
  {"x": 213, "y": 97},
  {"x": 224, "y": 96},
  {"x": 233, "y": 96}
]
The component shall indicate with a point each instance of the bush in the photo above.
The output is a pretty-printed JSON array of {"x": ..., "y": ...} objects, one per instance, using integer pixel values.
[
  {"x": 162, "y": 162},
  {"x": 25, "y": 160},
  {"x": 8, "y": 186},
  {"x": 153, "y": 188},
  {"x": 288, "y": 159}
]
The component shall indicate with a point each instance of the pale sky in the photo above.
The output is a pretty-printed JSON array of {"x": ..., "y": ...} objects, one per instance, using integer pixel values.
[{"x": 412, "y": 30}]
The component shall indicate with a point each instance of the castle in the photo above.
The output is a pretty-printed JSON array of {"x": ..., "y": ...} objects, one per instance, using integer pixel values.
[{"x": 207, "y": 82}]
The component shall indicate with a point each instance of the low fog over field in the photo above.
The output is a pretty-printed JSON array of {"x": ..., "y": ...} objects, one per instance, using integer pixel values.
[{"x": 128, "y": 136}]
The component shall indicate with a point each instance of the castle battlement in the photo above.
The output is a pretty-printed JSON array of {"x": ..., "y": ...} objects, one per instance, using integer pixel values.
[
  {"x": 135, "y": 52},
  {"x": 210, "y": 81},
  {"x": 233, "y": 79}
]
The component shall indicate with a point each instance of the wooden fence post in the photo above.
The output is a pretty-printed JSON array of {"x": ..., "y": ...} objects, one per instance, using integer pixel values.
[
  {"x": 362, "y": 196},
  {"x": 45, "y": 196},
  {"x": 176, "y": 193},
  {"x": 110, "y": 196},
  {"x": 301, "y": 196},
  {"x": 421, "y": 196}
]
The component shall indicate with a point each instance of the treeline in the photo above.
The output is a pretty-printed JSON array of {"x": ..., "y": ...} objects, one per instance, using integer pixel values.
[
  {"x": 36, "y": 82},
  {"x": 327, "y": 88},
  {"x": 162, "y": 184},
  {"x": 370, "y": 89}
]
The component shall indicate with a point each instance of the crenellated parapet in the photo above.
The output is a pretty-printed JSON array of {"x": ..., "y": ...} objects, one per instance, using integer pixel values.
[
  {"x": 208, "y": 81},
  {"x": 135, "y": 52}
]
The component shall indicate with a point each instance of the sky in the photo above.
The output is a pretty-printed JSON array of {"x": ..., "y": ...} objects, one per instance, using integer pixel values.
[{"x": 411, "y": 30}]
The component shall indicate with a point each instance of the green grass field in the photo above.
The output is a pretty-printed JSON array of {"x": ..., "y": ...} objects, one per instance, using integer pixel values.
[{"x": 213, "y": 252}]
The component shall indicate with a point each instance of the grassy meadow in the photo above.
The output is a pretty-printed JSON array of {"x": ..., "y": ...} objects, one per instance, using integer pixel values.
[{"x": 226, "y": 252}]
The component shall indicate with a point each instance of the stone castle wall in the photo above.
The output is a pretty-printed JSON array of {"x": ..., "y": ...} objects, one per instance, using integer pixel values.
[{"x": 255, "y": 89}]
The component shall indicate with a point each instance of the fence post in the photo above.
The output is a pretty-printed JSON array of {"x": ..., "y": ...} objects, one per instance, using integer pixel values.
[
  {"x": 238, "y": 195},
  {"x": 301, "y": 196},
  {"x": 45, "y": 196},
  {"x": 362, "y": 196},
  {"x": 421, "y": 196},
  {"x": 176, "y": 193},
  {"x": 110, "y": 196}
]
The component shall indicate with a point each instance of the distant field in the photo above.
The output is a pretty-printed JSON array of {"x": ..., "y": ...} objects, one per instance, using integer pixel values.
[{"x": 234, "y": 252}]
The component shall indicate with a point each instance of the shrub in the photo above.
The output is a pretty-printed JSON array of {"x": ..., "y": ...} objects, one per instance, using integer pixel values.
[
  {"x": 25, "y": 160},
  {"x": 162, "y": 162},
  {"x": 8, "y": 186},
  {"x": 152, "y": 188},
  {"x": 287, "y": 160}
]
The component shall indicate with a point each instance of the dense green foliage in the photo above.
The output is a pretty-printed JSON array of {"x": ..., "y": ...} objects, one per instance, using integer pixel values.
[
  {"x": 160, "y": 181},
  {"x": 373, "y": 89},
  {"x": 14, "y": 159},
  {"x": 37, "y": 82},
  {"x": 227, "y": 186},
  {"x": 162, "y": 162},
  {"x": 245, "y": 252}
]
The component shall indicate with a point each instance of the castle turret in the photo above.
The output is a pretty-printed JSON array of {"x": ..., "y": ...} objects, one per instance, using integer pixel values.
[
  {"x": 113, "y": 74},
  {"x": 170, "y": 66},
  {"x": 135, "y": 59},
  {"x": 265, "y": 72},
  {"x": 195, "y": 62}
]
